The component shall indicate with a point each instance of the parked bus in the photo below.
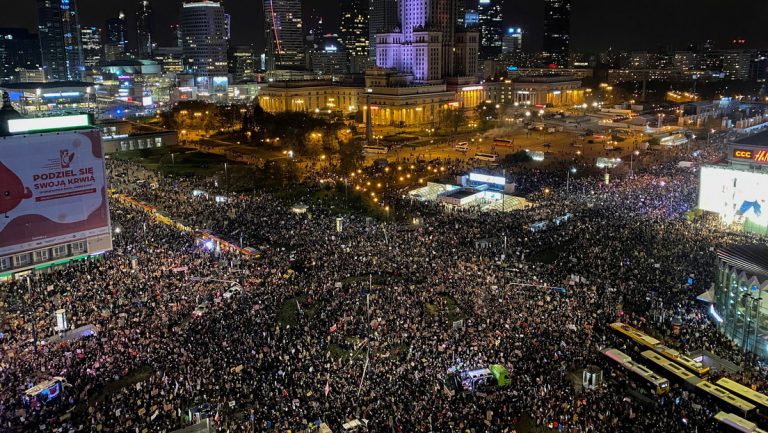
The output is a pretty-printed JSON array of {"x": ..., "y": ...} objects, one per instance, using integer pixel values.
[
  {"x": 492, "y": 157},
  {"x": 735, "y": 423},
  {"x": 744, "y": 407},
  {"x": 758, "y": 399},
  {"x": 503, "y": 142},
  {"x": 375, "y": 150},
  {"x": 646, "y": 340},
  {"x": 659, "y": 384},
  {"x": 717, "y": 394},
  {"x": 677, "y": 372}
]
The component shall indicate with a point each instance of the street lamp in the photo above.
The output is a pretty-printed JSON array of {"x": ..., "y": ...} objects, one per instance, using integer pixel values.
[
  {"x": 632, "y": 161},
  {"x": 570, "y": 171}
]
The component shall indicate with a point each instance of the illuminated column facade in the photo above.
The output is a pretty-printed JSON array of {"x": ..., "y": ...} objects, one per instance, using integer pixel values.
[{"x": 740, "y": 307}]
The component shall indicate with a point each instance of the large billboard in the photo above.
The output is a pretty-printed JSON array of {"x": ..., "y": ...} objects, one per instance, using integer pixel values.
[
  {"x": 757, "y": 155},
  {"x": 738, "y": 196},
  {"x": 52, "y": 190}
]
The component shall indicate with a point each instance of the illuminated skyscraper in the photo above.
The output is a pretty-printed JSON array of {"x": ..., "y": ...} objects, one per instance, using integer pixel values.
[
  {"x": 93, "y": 49},
  {"x": 284, "y": 33},
  {"x": 354, "y": 32},
  {"x": 59, "y": 30},
  {"x": 19, "y": 50},
  {"x": 491, "y": 24},
  {"x": 382, "y": 18},
  {"x": 116, "y": 38},
  {"x": 144, "y": 30},
  {"x": 425, "y": 45},
  {"x": 557, "y": 31},
  {"x": 203, "y": 29},
  {"x": 512, "y": 42}
]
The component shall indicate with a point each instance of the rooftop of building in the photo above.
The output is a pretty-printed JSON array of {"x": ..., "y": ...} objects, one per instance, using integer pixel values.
[
  {"x": 45, "y": 85},
  {"x": 546, "y": 78},
  {"x": 760, "y": 139},
  {"x": 752, "y": 259},
  {"x": 130, "y": 62}
]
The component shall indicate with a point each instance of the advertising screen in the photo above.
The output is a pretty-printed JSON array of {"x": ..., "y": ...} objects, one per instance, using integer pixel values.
[
  {"x": 737, "y": 196},
  {"x": 52, "y": 190},
  {"x": 484, "y": 178}
]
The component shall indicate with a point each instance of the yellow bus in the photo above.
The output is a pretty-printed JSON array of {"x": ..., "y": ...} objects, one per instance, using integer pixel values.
[
  {"x": 659, "y": 384},
  {"x": 724, "y": 396},
  {"x": 646, "y": 340},
  {"x": 758, "y": 399},
  {"x": 677, "y": 371},
  {"x": 735, "y": 423}
]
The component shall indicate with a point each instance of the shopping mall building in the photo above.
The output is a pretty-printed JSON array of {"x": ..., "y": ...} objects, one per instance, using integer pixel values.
[{"x": 740, "y": 300}]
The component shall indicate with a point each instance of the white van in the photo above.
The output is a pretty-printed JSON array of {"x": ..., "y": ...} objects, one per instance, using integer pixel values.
[
  {"x": 492, "y": 157},
  {"x": 462, "y": 147}
]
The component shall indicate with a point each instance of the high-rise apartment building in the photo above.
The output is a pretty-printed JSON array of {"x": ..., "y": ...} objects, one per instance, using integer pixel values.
[
  {"x": 557, "y": 31},
  {"x": 491, "y": 27},
  {"x": 116, "y": 38},
  {"x": 354, "y": 32},
  {"x": 512, "y": 42},
  {"x": 382, "y": 18},
  {"x": 59, "y": 32},
  {"x": 93, "y": 49},
  {"x": 203, "y": 28},
  {"x": 284, "y": 33},
  {"x": 144, "y": 30},
  {"x": 19, "y": 50},
  {"x": 243, "y": 64}
]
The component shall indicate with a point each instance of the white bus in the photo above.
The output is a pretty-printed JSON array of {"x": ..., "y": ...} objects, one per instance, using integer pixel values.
[
  {"x": 492, "y": 157},
  {"x": 375, "y": 150}
]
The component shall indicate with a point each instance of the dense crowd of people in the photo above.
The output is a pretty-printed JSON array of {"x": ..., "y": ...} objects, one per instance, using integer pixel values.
[{"x": 364, "y": 321}]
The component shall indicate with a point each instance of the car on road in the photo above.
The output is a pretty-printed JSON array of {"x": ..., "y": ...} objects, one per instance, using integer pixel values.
[
  {"x": 232, "y": 291},
  {"x": 201, "y": 309}
]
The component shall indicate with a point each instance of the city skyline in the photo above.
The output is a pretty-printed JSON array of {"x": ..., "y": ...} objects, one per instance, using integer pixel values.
[{"x": 594, "y": 24}]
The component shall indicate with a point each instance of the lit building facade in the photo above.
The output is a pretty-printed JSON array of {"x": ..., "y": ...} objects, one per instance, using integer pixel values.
[
  {"x": 552, "y": 90},
  {"x": 424, "y": 44},
  {"x": 243, "y": 64},
  {"x": 205, "y": 44},
  {"x": 170, "y": 58},
  {"x": 19, "y": 52},
  {"x": 512, "y": 42},
  {"x": 354, "y": 32},
  {"x": 144, "y": 30},
  {"x": 93, "y": 50},
  {"x": 491, "y": 24},
  {"x": 312, "y": 96},
  {"x": 382, "y": 18},
  {"x": 557, "y": 31},
  {"x": 284, "y": 33},
  {"x": 59, "y": 33},
  {"x": 330, "y": 60},
  {"x": 740, "y": 300},
  {"x": 116, "y": 38}
]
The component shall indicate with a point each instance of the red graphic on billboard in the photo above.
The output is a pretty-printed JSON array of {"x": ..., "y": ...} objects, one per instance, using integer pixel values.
[{"x": 12, "y": 191}]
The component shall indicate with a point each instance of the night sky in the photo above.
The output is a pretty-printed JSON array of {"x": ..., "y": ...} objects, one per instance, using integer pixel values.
[{"x": 595, "y": 25}]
